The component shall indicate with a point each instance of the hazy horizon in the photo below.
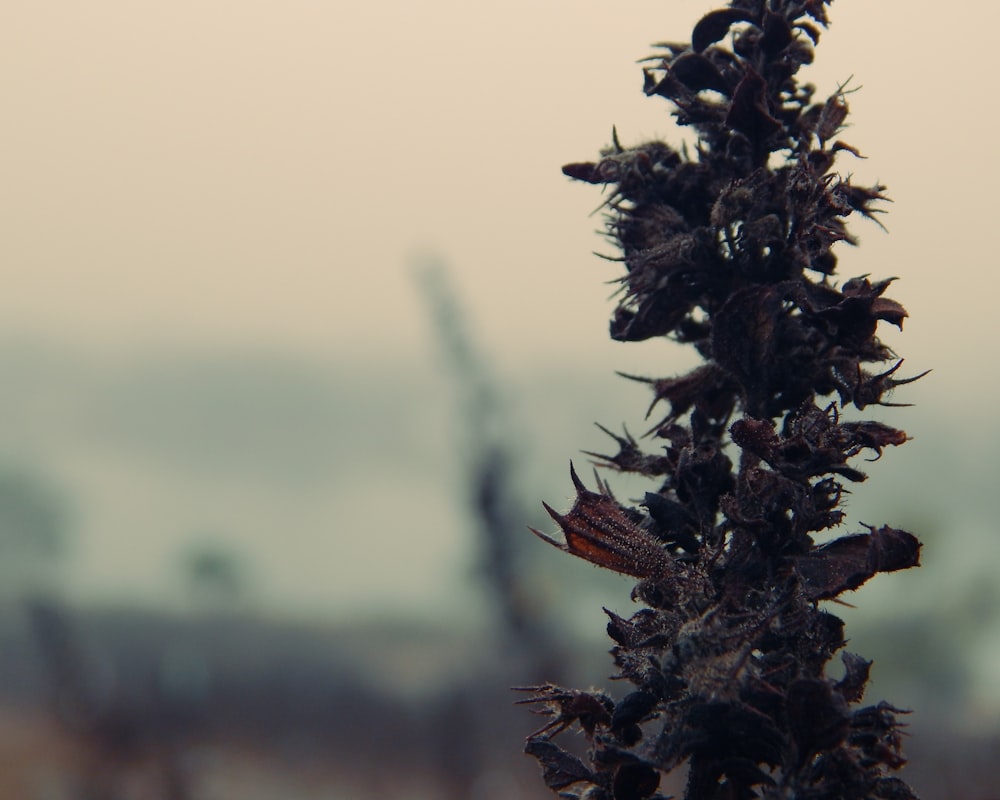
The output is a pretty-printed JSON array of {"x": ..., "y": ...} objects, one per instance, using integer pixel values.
[{"x": 213, "y": 218}]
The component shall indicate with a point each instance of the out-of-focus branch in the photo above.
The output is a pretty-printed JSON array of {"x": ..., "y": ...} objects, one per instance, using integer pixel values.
[{"x": 489, "y": 451}]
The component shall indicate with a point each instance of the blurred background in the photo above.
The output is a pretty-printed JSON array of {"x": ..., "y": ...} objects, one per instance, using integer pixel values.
[{"x": 281, "y": 281}]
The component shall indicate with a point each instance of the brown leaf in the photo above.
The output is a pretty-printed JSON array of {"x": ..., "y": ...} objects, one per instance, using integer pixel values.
[
  {"x": 584, "y": 171},
  {"x": 846, "y": 563},
  {"x": 856, "y": 669},
  {"x": 872, "y": 435},
  {"x": 707, "y": 385},
  {"x": 697, "y": 73},
  {"x": 714, "y": 25},
  {"x": 630, "y": 458},
  {"x": 559, "y": 768},
  {"x": 566, "y": 706}
]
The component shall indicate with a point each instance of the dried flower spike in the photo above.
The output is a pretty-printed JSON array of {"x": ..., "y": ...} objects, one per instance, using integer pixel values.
[{"x": 730, "y": 248}]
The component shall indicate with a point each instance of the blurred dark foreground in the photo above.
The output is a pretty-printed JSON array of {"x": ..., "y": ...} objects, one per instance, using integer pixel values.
[{"x": 130, "y": 705}]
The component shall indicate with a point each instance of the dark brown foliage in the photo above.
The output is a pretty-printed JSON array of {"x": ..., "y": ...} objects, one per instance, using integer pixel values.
[{"x": 731, "y": 249}]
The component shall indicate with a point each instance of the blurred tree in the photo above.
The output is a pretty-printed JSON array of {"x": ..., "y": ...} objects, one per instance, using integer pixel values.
[{"x": 215, "y": 576}]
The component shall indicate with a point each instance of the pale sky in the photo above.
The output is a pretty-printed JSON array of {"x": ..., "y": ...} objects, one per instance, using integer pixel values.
[{"x": 262, "y": 173}]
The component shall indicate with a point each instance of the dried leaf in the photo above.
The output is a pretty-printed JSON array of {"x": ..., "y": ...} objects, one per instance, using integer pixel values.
[
  {"x": 715, "y": 25},
  {"x": 856, "y": 669},
  {"x": 846, "y": 563},
  {"x": 698, "y": 73},
  {"x": 559, "y": 768},
  {"x": 567, "y": 706},
  {"x": 630, "y": 458},
  {"x": 584, "y": 171}
]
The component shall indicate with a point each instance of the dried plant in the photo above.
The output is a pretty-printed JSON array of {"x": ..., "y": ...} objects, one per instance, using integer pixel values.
[{"x": 730, "y": 249}]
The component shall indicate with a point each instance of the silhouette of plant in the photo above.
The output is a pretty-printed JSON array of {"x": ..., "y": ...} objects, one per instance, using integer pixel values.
[{"x": 729, "y": 248}]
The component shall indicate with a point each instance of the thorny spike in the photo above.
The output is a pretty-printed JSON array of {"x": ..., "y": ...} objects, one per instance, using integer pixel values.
[
  {"x": 731, "y": 246},
  {"x": 614, "y": 140}
]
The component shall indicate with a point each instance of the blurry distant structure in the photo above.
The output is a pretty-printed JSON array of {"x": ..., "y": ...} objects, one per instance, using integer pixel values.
[
  {"x": 488, "y": 450},
  {"x": 32, "y": 532},
  {"x": 127, "y": 731},
  {"x": 467, "y": 717},
  {"x": 215, "y": 577}
]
